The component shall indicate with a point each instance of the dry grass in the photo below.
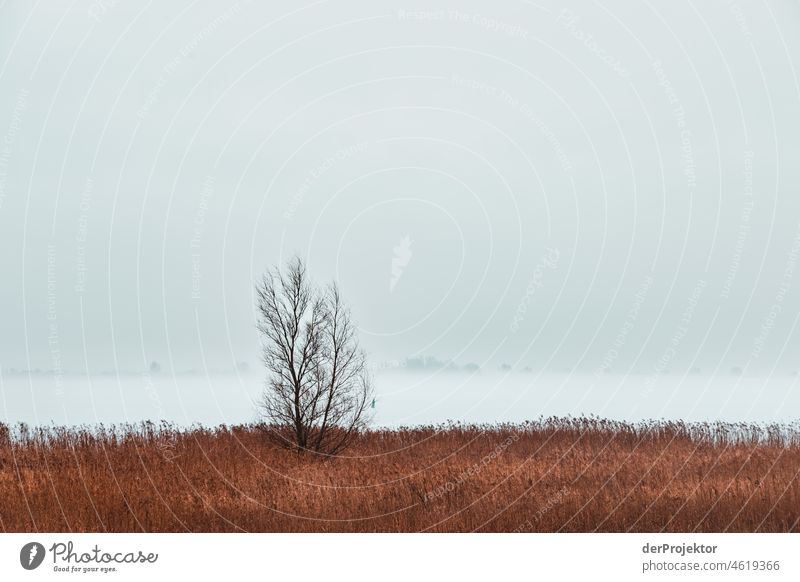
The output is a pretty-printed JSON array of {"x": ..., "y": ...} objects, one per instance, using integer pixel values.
[{"x": 551, "y": 475}]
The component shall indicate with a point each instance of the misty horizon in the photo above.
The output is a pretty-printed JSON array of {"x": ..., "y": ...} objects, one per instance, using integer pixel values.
[{"x": 531, "y": 189}]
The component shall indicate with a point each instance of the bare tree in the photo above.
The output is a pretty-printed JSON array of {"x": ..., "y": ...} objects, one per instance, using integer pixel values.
[{"x": 318, "y": 388}]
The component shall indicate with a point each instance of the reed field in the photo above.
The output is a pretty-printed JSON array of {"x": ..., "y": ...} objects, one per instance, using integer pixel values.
[{"x": 551, "y": 475}]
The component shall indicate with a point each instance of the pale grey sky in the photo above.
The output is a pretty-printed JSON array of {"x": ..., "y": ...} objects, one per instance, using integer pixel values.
[{"x": 602, "y": 185}]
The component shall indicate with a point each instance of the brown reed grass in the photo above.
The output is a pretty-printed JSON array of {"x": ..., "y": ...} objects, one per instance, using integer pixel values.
[{"x": 556, "y": 474}]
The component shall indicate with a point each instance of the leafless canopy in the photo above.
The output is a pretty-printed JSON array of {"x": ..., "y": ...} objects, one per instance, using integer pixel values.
[{"x": 319, "y": 388}]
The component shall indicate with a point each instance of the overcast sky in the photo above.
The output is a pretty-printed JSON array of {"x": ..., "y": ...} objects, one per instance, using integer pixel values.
[{"x": 601, "y": 186}]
